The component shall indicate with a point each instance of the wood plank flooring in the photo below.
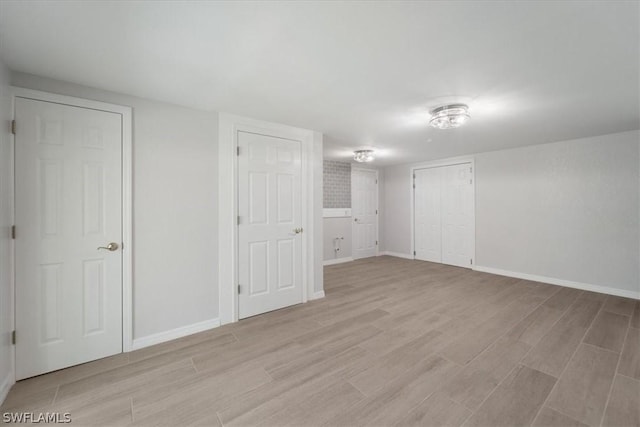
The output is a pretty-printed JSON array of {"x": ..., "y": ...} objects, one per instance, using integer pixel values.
[{"x": 395, "y": 342}]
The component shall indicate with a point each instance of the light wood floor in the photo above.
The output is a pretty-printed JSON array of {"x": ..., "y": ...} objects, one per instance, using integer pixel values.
[{"x": 395, "y": 342}]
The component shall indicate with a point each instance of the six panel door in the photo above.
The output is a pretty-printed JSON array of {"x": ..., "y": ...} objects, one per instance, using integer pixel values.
[
  {"x": 68, "y": 183},
  {"x": 270, "y": 229},
  {"x": 364, "y": 196}
]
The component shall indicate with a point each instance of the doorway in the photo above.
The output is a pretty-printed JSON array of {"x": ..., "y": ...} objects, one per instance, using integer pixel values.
[{"x": 364, "y": 210}]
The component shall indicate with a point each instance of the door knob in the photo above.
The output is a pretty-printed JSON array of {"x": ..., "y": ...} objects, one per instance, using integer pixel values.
[
  {"x": 113, "y": 246},
  {"x": 355, "y": 219},
  {"x": 298, "y": 230}
]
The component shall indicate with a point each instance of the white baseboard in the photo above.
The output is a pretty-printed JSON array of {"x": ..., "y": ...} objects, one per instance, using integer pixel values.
[
  {"x": 317, "y": 295},
  {"x": 5, "y": 387},
  {"x": 337, "y": 261},
  {"x": 560, "y": 282},
  {"x": 396, "y": 254},
  {"x": 172, "y": 334}
]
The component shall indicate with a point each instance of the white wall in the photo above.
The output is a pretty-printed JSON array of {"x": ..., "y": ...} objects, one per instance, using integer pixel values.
[
  {"x": 397, "y": 205},
  {"x": 6, "y": 209},
  {"x": 175, "y": 231},
  {"x": 567, "y": 211},
  {"x": 333, "y": 228}
]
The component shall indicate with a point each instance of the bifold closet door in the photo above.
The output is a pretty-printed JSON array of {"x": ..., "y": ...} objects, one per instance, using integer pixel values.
[
  {"x": 443, "y": 215},
  {"x": 428, "y": 214}
]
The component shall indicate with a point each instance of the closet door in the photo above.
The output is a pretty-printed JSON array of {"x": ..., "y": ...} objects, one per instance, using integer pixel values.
[
  {"x": 457, "y": 215},
  {"x": 428, "y": 214}
]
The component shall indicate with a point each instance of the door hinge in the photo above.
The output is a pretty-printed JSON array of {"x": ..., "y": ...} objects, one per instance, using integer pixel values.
[
  {"x": 238, "y": 219},
  {"x": 13, "y": 127},
  {"x": 13, "y": 337},
  {"x": 471, "y": 261},
  {"x": 414, "y": 253},
  {"x": 239, "y": 289},
  {"x": 237, "y": 151},
  {"x": 376, "y": 243},
  {"x": 13, "y": 232},
  {"x": 376, "y": 211}
]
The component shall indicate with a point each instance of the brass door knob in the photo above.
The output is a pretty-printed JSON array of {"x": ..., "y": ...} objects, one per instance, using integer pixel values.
[{"x": 113, "y": 246}]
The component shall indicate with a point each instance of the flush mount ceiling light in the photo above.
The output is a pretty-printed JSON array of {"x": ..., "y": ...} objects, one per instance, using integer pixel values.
[
  {"x": 362, "y": 156},
  {"x": 449, "y": 116}
]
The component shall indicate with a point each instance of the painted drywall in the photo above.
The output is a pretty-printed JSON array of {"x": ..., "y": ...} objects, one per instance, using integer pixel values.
[
  {"x": 567, "y": 211},
  {"x": 6, "y": 209},
  {"x": 174, "y": 208},
  {"x": 337, "y": 228},
  {"x": 397, "y": 209}
]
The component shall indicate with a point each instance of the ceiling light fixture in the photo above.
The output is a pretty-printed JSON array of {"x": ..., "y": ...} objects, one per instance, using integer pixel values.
[
  {"x": 449, "y": 116},
  {"x": 362, "y": 156}
]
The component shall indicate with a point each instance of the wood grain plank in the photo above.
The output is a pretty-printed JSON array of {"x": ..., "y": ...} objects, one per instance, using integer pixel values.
[
  {"x": 548, "y": 417},
  {"x": 582, "y": 390},
  {"x": 554, "y": 350},
  {"x": 435, "y": 411},
  {"x": 623, "y": 408},
  {"x": 516, "y": 401},
  {"x": 608, "y": 331},
  {"x": 630, "y": 358}
]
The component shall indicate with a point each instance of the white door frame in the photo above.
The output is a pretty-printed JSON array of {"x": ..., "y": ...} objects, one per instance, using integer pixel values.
[
  {"x": 127, "y": 201},
  {"x": 228, "y": 127},
  {"x": 437, "y": 164},
  {"x": 353, "y": 232}
]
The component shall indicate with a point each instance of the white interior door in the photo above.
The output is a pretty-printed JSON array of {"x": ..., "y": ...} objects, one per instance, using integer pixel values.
[
  {"x": 68, "y": 185},
  {"x": 428, "y": 214},
  {"x": 364, "y": 209},
  {"x": 443, "y": 214},
  {"x": 270, "y": 228},
  {"x": 457, "y": 215}
]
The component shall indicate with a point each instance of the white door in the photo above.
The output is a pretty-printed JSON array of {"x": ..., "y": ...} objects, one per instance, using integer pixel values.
[
  {"x": 364, "y": 209},
  {"x": 428, "y": 214},
  {"x": 68, "y": 184},
  {"x": 457, "y": 215},
  {"x": 270, "y": 227}
]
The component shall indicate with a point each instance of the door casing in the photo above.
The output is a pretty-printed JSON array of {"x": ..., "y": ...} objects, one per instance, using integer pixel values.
[
  {"x": 441, "y": 163},
  {"x": 228, "y": 127},
  {"x": 127, "y": 202}
]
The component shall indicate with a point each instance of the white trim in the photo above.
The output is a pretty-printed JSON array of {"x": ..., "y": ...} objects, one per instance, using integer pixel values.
[
  {"x": 228, "y": 127},
  {"x": 317, "y": 295},
  {"x": 127, "y": 195},
  {"x": 353, "y": 227},
  {"x": 6, "y": 386},
  {"x": 560, "y": 282},
  {"x": 437, "y": 164},
  {"x": 173, "y": 334},
  {"x": 336, "y": 212},
  {"x": 337, "y": 261},
  {"x": 397, "y": 255}
]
